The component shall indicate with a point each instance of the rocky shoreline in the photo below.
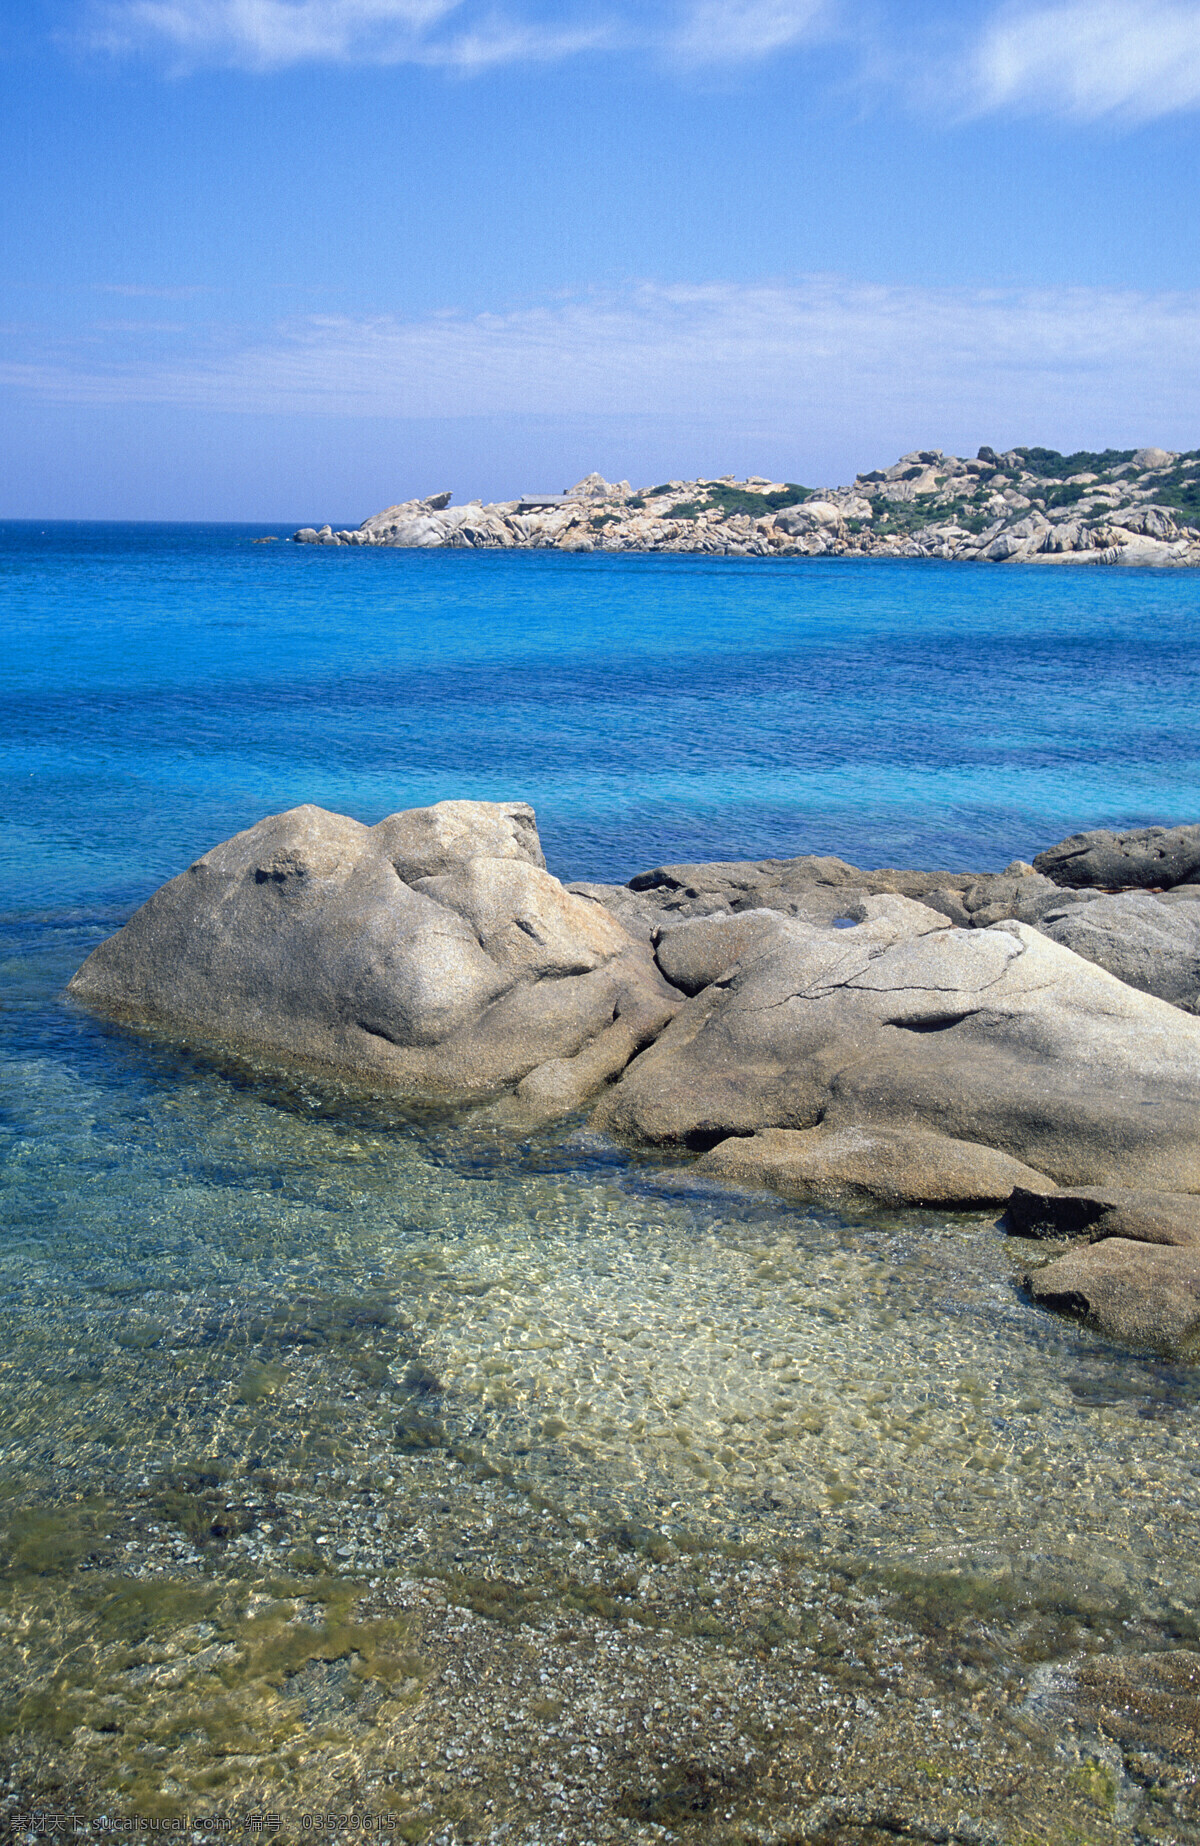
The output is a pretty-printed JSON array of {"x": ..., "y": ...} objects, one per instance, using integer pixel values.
[
  {"x": 894, "y": 1037},
  {"x": 1027, "y": 505}
]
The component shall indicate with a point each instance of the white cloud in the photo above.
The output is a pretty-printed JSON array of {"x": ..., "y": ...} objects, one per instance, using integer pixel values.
[
  {"x": 1130, "y": 60},
  {"x": 732, "y": 31},
  {"x": 266, "y": 35},
  {"x": 1074, "y": 367}
]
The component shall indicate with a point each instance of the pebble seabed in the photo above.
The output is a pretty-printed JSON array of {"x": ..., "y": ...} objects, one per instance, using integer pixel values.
[{"x": 367, "y": 1475}]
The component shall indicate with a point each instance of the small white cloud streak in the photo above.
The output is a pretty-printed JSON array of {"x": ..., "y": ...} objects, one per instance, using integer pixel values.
[
  {"x": 1082, "y": 365},
  {"x": 137, "y": 291},
  {"x": 739, "y": 31},
  {"x": 1128, "y": 60},
  {"x": 264, "y": 35}
]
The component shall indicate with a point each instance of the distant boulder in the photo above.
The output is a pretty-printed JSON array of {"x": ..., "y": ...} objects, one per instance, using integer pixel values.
[{"x": 813, "y": 516}]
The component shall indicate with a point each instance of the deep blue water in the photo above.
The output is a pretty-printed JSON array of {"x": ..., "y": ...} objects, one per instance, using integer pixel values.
[{"x": 166, "y": 685}]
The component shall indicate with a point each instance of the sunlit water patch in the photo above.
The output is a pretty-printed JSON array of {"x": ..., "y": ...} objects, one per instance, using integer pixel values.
[{"x": 292, "y": 1385}]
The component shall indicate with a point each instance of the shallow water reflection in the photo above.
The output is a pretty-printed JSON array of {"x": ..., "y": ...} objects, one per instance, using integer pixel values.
[{"x": 307, "y": 1407}]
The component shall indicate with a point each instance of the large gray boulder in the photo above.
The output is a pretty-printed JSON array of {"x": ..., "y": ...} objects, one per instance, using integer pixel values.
[
  {"x": 1146, "y": 858},
  {"x": 1148, "y": 944},
  {"x": 999, "y": 1037},
  {"x": 432, "y": 953}
]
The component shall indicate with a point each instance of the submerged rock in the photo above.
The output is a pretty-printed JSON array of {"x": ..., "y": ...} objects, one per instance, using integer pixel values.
[
  {"x": 1140, "y": 1700},
  {"x": 432, "y": 953},
  {"x": 888, "y": 1166}
]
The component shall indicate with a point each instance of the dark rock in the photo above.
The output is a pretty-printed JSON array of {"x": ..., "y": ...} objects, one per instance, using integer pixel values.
[
  {"x": 1095, "y": 1213},
  {"x": 1146, "y": 858},
  {"x": 801, "y": 886},
  {"x": 1152, "y": 1700},
  {"x": 1023, "y": 897}
]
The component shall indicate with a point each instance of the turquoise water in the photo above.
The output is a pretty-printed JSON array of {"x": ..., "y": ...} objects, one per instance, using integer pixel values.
[
  {"x": 304, "y": 1401},
  {"x": 164, "y": 686}
]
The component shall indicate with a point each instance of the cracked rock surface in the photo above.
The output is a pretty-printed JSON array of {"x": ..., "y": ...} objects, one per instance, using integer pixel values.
[{"x": 996, "y": 1036}]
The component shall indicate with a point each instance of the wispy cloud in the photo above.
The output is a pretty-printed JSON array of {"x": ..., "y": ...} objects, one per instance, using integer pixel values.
[
  {"x": 736, "y": 31},
  {"x": 1082, "y": 364},
  {"x": 1130, "y": 60},
  {"x": 1124, "y": 60},
  {"x": 269, "y": 35},
  {"x": 138, "y": 291}
]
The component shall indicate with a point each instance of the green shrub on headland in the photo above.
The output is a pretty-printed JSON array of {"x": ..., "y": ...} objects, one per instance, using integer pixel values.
[{"x": 1050, "y": 465}]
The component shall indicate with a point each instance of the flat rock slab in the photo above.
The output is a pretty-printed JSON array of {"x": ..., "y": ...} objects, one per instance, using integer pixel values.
[
  {"x": 885, "y": 1166},
  {"x": 999, "y": 1037},
  {"x": 1146, "y": 857},
  {"x": 1142, "y": 1294},
  {"x": 1171, "y": 1218},
  {"x": 812, "y": 886},
  {"x": 432, "y": 953}
]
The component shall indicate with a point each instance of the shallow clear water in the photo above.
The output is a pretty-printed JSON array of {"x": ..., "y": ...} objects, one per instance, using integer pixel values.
[{"x": 306, "y": 1401}]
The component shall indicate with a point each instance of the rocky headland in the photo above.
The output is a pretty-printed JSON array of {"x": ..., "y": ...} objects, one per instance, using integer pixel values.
[
  {"x": 1027, "y": 505},
  {"x": 1027, "y": 1039}
]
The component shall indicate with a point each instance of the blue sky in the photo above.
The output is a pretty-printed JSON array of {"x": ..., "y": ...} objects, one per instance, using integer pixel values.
[{"x": 296, "y": 259}]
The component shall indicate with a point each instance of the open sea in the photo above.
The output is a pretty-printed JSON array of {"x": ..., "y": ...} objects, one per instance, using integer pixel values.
[{"x": 362, "y": 1471}]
